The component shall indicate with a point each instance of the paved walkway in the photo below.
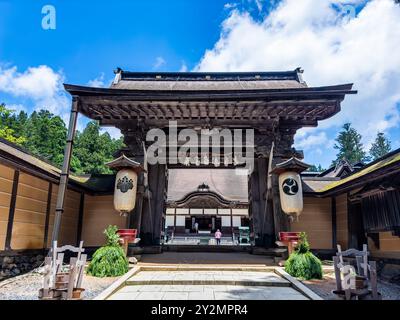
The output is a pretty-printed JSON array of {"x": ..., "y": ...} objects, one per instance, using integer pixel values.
[
  {"x": 207, "y": 285},
  {"x": 204, "y": 292}
]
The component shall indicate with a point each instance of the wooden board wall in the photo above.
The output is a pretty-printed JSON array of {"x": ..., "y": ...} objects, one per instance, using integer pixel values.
[
  {"x": 6, "y": 184},
  {"x": 70, "y": 217},
  {"x": 99, "y": 213},
  {"x": 387, "y": 243},
  {"x": 316, "y": 221},
  {"x": 341, "y": 218},
  {"x": 30, "y": 213}
]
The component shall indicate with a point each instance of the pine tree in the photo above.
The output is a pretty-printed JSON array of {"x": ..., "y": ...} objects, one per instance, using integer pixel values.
[
  {"x": 93, "y": 149},
  {"x": 9, "y": 126},
  {"x": 46, "y": 135},
  {"x": 315, "y": 168},
  {"x": 349, "y": 145},
  {"x": 380, "y": 147}
]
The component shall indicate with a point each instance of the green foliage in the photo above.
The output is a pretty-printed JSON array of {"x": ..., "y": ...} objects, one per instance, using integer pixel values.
[
  {"x": 112, "y": 236},
  {"x": 8, "y": 128},
  {"x": 349, "y": 145},
  {"x": 302, "y": 263},
  {"x": 44, "y": 134},
  {"x": 93, "y": 149},
  {"x": 380, "y": 147},
  {"x": 109, "y": 260},
  {"x": 315, "y": 168}
]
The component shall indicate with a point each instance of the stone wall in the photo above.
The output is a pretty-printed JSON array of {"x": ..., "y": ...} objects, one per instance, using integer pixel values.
[{"x": 14, "y": 265}]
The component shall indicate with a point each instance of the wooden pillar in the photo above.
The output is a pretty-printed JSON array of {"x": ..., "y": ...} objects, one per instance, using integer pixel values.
[
  {"x": 356, "y": 234},
  {"x": 135, "y": 217},
  {"x": 62, "y": 189},
  {"x": 174, "y": 221},
  {"x": 12, "y": 210},
  {"x": 47, "y": 220},
  {"x": 80, "y": 219},
  {"x": 262, "y": 219},
  {"x": 281, "y": 220},
  {"x": 334, "y": 223},
  {"x": 154, "y": 205},
  {"x": 233, "y": 238}
]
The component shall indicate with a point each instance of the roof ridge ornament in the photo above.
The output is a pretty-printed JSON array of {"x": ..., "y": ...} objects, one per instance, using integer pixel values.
[{"x": 118, "y": 76}]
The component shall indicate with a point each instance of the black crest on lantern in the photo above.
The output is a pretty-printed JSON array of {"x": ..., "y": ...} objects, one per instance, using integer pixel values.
[
  {"x": 290, "y": 186},
  {"x": 125, "y": 184}
]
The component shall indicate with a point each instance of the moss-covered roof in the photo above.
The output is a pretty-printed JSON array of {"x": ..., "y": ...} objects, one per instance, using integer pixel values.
[
  {"x": 383, "y": 163},
  {"x": 95, "y": 183}
]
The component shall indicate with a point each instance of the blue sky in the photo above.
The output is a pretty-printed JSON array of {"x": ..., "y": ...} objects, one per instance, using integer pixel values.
[{"x": 332, "y": 44}]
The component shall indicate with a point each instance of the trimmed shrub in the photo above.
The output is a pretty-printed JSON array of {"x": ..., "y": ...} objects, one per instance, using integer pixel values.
[
  {"x": 109, "y": 260},
  {"x": 302, "y": 263}
]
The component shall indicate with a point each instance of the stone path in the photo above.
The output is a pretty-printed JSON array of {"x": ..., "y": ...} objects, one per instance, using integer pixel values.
[{"x": 207, "y": 285}]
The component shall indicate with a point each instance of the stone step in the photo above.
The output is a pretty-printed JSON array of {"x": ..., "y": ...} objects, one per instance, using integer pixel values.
[
  {"x": 242, "y": 278},
  {"x": 208, "y": 282}
]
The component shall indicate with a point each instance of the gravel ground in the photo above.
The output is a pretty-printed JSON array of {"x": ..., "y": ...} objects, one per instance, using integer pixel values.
[
  {"x": 324, "y": 288},
  {"x": 26, "y": 286}
]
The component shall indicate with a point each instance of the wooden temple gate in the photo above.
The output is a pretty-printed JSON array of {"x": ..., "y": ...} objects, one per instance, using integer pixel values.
[{"x": 273, "y": 104}]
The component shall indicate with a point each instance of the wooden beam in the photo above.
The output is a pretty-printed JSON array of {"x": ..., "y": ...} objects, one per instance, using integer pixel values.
[
  {"x": 12, "y": 210},
  {"x": 48, "y": 208}
]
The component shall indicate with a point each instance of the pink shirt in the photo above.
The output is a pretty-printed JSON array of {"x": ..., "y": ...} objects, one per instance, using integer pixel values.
[{"x": 218, "y": 235}]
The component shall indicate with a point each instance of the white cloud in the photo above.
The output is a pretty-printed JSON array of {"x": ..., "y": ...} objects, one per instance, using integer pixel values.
[
  {"x": 41, "y": 85},
  {"x": 184, "y": 67},
  {"x": 16, "y": 107},
  {"x": 98, "y": 82},
  {"x": 308, "y": 141},
  {"x": 113, "y": 132},
  {"x": 160, "y": 61},
  {"x": 331, "y": 47}
]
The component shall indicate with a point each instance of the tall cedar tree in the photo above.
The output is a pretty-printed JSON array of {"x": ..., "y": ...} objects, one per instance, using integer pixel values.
[
  {"x": 11, "y": 125},
  {"x": 45, "y": 135},
  {"x": 93, "y": 149},
  {"x": 349, "y": 145},
  {"x": 380, "y": 147}
]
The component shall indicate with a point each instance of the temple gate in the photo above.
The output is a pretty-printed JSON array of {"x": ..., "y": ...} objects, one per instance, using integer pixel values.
[{"x": 273, "y": 104}]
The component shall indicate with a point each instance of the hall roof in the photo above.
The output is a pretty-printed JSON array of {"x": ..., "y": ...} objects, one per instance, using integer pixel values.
[
  {"x": 385, "y": 166},
  {"x": 229, "y": 98},
  {"x": 225, "y": 182},
  {"x": 187, "y": 81}
]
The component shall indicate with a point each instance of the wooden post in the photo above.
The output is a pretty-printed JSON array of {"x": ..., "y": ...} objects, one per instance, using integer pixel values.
[
  {"x": 334, "y": 223},
  {"x": 135, "y": 218},
  {"x": 174, "y": 221},
  {"x": 281, "y": 221},
  {"x": 233, "y": 236},
  {"x": 80, "y": 219},
  {"x": 12, "y": 210},
  {"x": 65, "y": 169},
  {"x": 48, "y": 208}
]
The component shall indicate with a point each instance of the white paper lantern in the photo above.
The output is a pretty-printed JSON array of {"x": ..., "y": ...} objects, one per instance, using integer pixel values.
[
  {"x": 125, "y": 190},
  {"x": 291, "y": 192}
]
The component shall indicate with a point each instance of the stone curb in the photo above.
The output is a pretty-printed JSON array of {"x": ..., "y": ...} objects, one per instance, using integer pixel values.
[
  {"x": 118, "y": 284},
  {"x": 297, "y": 284}
]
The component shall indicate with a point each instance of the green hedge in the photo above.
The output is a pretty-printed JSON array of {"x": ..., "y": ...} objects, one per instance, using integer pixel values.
[
  {"x": 109, "y": 260},
  {"x": 302, "y": 263}
]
